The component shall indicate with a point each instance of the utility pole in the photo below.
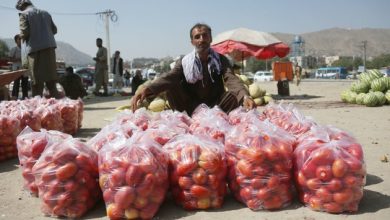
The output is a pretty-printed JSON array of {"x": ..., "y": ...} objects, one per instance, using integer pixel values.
[
  {"x": 364, "y": 54},
  {"x": 108, "y": 15}
]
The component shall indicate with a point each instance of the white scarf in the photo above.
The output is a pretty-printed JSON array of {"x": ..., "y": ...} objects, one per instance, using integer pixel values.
[{"x": 192, "y": 66}]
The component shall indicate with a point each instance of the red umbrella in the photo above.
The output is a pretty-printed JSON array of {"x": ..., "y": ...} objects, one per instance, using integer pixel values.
[{"x": 242, "y": 43}]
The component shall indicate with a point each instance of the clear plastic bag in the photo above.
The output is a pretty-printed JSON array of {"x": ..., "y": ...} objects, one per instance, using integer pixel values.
[
  {"x": 66, "y": 175},
  {"x": 30, "y": 145},
  {"x": 197, "y": 171},
  {"x": 329, "y": 170},
  {"x": 241, "y": 115},
  {"x": 141, "y": 117},
  {"x": 133, "y": 177},
  {"x": 70, "y": 115},
  {"x": 260, "y": 165}
]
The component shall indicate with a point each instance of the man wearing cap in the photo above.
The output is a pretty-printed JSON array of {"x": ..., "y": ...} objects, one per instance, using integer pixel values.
[{"x": 37, "y": 31}]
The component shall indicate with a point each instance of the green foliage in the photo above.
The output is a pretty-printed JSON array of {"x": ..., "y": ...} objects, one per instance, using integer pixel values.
[
  {"x": 350, "y": 63},
  {"x": 379, "y": 62},
  {"x": 3, "y": 49},
  {"x": 253, "y": 64}
]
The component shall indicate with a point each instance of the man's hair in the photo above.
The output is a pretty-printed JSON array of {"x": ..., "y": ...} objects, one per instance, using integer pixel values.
[
  {"x": 69, "y": 69},
  {"x": 99, "y": 39},
  {"x": 16, "y": 37},
  {"x": 200, "y": 25}
]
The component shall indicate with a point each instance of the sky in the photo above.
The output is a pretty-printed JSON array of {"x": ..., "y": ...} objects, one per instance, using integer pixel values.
[{"x": 160, "y": 28}]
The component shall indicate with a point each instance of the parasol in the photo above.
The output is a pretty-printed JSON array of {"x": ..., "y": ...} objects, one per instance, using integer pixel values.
[{"x": 242, "y": 43}]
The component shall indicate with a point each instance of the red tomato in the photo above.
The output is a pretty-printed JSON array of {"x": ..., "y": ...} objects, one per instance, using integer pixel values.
[
  {"x": 149, "y": 211},
  {"x": 324, "y": 173},
  {"x": 199, "y": 176},
  {"x": 108, "y": 196},
  {"x": 158, "y": 195},
  {"x": 66, "y": 171},
  {"x": 335, "y": 185},
  {"x": 203, "y": 203},
  {"x": 322, "y": 156},
  {"x": 301, "y": 179},
  {"x": 185, "y": 182},
  {"x": 244, "y": 167},
  {"x": 343, "y": 197},
  {"x": 184, "y": 169},
  {"x": 133, "y": 176},
  {"x": 124, "y": 197},
  {"x": 273, "y": 182},
  {"x": 117, "y": 177},
  {"x": 356, "y": 150},
  {"x": 246, "y": 193},
  {"x": 313, "y": 184},
  {"x": 114, "y": 212},
  {"x": 263, "y": 194},
  {"x": 315, "y": 203},
  {"x": 324, "y": 194},
  {"x": 257, "y": 183},
  {"x": 199, "y": 191},
  {"x": 352, "y": 181},
  {"x": 309, "y": 169},
  {"x": 131, "y": 213},
  {"x": 71, "y": 186},
  {"x": 339, "y": 168},
  {"x": 213, "y": 181},
  {"x": 64, "y": 199},
  {"x": 146, "y": 187}
]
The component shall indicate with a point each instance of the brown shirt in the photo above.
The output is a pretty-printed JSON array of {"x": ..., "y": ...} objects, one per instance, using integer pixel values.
[{"x": 202, "y": 91}]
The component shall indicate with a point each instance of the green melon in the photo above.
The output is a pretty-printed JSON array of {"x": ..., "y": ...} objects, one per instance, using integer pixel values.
[
  {"x": 381, "y": 98},
  {"x": 360, "y": 98},
  {"x": 370, "y": 100}
]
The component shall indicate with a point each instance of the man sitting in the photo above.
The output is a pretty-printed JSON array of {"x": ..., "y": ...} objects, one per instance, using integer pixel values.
[{"x": 72, "y": 84}]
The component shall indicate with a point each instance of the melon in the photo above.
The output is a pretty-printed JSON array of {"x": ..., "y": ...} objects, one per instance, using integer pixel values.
[{"x": 157, "y": 105}]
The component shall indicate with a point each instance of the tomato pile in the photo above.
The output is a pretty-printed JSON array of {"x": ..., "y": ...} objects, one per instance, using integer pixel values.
[
  {"x": 66, "y": 175},
  {"x": 9, "y": 130},
  {"x": 36, "y": 113},
  {"x": 288, "y": 118},
  {"x": 330, "y": 170},
  {"x": 30, "y": 146},
  {"x": 133, "y": 178},
  {"x": 197, "y": 172},
  {"x": 260, "y": 166}
]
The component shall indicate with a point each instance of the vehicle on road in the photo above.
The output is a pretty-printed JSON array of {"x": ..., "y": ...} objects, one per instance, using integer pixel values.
[
  {"x": 331, "y": 73},
  {"x": 263, "y": 76}
]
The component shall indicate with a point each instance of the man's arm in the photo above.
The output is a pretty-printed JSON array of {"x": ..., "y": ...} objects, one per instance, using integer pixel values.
[
  {"x": 53, "y": 26},
  {"x": 161, "y": 84}
]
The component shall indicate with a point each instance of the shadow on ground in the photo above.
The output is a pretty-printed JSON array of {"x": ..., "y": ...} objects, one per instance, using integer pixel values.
[
  {"x": 295, "y": 97},
  {"x": 9, "y": 165},
  {"x": 372, "y": 179},
  {"x": 373, "y": 201},
  {"x": 87, "y": 133}
]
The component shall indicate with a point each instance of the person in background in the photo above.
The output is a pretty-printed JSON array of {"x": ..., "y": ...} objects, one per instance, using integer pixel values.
[
  {"x": 15, "y": 58},
  {"x": 137, "y": 81},
  {"x": 117, "y": 70},
  {"x": 127, "y": 78},
  {"x": 72, "y": 84},
  {"x": 37, "y": 31},
  {"x": 298, "y": 73},
  {"x": 199, "y": 77},
  {"x": 101, "y": 67}
]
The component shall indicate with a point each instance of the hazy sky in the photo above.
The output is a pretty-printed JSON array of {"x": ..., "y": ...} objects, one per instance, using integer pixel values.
[{"x": 159, "y": 28}]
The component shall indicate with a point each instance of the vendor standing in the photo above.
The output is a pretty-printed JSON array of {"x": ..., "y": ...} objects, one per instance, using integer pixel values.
[{"x": 199, "y": 77}]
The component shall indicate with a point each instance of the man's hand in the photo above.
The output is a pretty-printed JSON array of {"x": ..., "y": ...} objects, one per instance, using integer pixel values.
[
  {"x": 248, "y": 103},
  {"x": 139, "y": 97},
  {"x": 94, "y": 58}
]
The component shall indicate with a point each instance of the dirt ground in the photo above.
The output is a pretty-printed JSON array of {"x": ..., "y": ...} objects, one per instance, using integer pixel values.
[{"x": 318, "y": 99}]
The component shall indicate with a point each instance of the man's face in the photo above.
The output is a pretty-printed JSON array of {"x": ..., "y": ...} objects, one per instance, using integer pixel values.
[
  {"x": 98, "y": 43},
  {"x": 201, "y": 39}
]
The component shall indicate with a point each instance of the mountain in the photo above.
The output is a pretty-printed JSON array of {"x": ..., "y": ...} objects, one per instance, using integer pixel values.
[
  {"x": 65, "y": 52},
  {"x": 343, "y": 42},
  {"x": 328, "y": 42}
]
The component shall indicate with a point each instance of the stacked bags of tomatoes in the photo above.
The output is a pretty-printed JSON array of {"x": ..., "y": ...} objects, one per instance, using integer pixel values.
[
  {"x": 30, "y": 146},
  {"x": 66, "y": 176},
  {"x": 197, "y": 171},
  {"x": 9, "y": 130},
  {"x": 260, "y": 165},
  {"x": 329, "y": 170},
  {"x": 133, "y": 176}
]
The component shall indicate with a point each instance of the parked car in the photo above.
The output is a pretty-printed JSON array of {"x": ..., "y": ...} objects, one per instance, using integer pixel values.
[
  {"x": 87, "y": 75},
  {"x": 262, "y": 76}
]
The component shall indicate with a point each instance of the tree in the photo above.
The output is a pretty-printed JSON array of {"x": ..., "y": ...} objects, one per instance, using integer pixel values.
[
  {"x": 3, "y": 49},
  {"x": 379, "y": 62}
]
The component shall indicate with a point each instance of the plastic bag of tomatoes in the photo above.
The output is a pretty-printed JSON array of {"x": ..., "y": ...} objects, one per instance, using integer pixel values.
[
  {"x": 260, "y": 165},
  {"x": 50, "y": 117},
  {"x": 197, "y": 171},
  {"x": 203, "y": 110},
  {"x": 110, "y": 133},
  {"x": 164, "y": 131},
  {"x": 30, "y": 146},
  {"x": 216, "y": 130},
  {"x": 288, "y": 118},
  {"x": 181, "y": 119},
  {"x": 27, "y": 117},
  {"x": 70, "y": 115},
  {"x": 241, "y": 115},
  {"x": 141, "y": 117},
  {"x": 66, "y": 175},
  {"x": 133, "y": 178},
  {"x": 329, "y": 170},
  {"x": 9, "y": 130}
]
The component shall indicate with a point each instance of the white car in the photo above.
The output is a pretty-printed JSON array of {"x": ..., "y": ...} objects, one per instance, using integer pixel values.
[{"x": 263, "y": 76}]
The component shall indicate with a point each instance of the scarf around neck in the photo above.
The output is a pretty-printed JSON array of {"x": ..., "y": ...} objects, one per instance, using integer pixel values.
[{"x": 192, "y": 66}]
